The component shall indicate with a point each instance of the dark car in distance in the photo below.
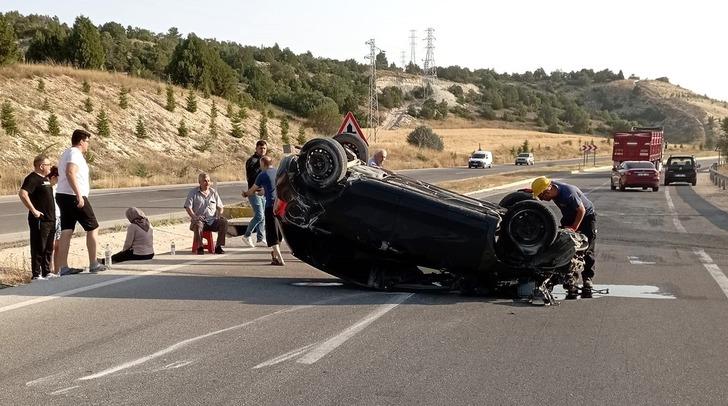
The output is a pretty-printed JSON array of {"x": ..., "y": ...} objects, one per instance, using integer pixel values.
[
  {"x": 681, "y": 168},
  {"x": 378, "y": 229},
  {"x": 635, "y": 174}
]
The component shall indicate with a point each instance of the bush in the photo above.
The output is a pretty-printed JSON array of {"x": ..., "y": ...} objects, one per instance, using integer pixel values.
[
  {"x": 424, "y": 137},
  {"x": 191, "y": 101},
  {"x": 88, "y": 106},
  {"x": 182, "y": 129},
  {"x": 171, "y": 103},
  {"x": 7, "y": 119},
  {"x": 123, "y": 99},
  {"x": 102, "y": 124},
  {"x": 140, "y": 131},
  {"x": 53, "y": 128}
]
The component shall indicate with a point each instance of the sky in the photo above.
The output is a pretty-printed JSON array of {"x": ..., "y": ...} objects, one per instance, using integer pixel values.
[{"x": 679, "y": 40}]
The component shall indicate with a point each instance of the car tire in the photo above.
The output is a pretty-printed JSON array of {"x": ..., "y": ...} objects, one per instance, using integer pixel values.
[
  {"x": 514, "y": 197},
  {"x": 530, "y": 225},
  {"x": 355, "y": 144},
  {"x": 322, "y": 163}
]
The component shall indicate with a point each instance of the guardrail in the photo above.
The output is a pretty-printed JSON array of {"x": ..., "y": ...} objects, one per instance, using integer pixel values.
[{"x": 717, "y": 178}]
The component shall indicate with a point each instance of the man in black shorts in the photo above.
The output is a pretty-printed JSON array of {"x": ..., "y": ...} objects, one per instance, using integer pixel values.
[
  {"x": 72, "y": 198},
  {"x": 36, "y": 193}
]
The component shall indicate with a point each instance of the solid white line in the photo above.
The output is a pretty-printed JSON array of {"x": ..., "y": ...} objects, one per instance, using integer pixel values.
[
  {"x": 332, "y": 343},
  {"x": 62, "y": 391},
  {"x": 101, "y": 284},
  {"x": 162, "y": 200},
  {"x": 673, "y": 212},
  {"x": 713, "y": 269},
  {"x": 13, "y": 214}
]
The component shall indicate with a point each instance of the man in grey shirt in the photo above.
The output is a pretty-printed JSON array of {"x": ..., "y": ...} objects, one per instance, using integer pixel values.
[{"x": 204, "y": 207}]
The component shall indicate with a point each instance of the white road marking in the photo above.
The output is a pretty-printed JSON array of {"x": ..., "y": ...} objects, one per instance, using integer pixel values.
[
  {"x": 58, "y": 295},
  {"x": 318, "y": 284},
  {"x": 62, "y": 391},
  {"x": 163, "y": 200},
  {"x": 630, "y": 291},
  {"x": 189, "y": 341},
  {"x": 637, "y": 261},
  {"x": 673, "y": 212},
  {"x": 712, "y": 269},
  {"x": 13, "y": 214},
  {"x": 284, "y": 357},
  {"x": 331, "y": 344},
  {"x": 176, "y": 364},
  {"x": 43, "y": 379}
]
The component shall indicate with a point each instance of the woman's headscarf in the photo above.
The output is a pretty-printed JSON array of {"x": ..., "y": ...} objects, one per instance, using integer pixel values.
[{"x": 136, "y": 216}]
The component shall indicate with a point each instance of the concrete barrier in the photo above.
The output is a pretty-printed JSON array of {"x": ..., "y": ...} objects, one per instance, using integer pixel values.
[{"x": 717, "y": 178}]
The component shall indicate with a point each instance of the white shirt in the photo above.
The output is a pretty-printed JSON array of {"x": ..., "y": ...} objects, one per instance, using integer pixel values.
[
  {"x": 75, "y": 156},
  {"x": 372, "y": 162}
]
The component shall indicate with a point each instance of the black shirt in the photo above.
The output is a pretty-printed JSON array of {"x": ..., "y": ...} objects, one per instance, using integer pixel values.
[
  {"x": 252, "y": 169},
  {"x": 40, "y": 193}
]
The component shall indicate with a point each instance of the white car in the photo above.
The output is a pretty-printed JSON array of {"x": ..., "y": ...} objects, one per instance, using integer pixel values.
[
  {"x": 525, "y": 158},
  {"x": 481, "y": 159}
]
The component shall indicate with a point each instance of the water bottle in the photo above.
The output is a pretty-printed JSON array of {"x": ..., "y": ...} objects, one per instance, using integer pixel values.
[
  {"x": 171, "y": 249},
  {"x": 107, "y": 256}
]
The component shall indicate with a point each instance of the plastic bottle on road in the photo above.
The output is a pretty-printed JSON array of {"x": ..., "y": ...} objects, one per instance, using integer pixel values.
[
  {"x": 107, "y": 257},
  {"x": 171, "y": 249}
]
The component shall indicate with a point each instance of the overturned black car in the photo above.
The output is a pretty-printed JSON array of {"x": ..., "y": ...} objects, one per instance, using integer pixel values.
[{"x": 375, "y": 228}]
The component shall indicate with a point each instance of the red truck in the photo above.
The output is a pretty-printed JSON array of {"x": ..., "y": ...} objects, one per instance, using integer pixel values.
[{"x": 639, "y": 144}]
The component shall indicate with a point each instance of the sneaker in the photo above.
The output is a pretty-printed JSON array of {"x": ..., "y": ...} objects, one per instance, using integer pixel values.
[
  {"x": 38, "y": 278},
  {"x": 70, "y": 271},
  {"x": 97, "y": 268},
  {"x": 248, "y": 241},
  {"x": 52, "y": 276},
  {"x": 201, "y": 251},
  {"x": 219, "y": 250},
  {"x": 572, "y": 293},
  {"x": 263, "y": 243},
  {"x": 586, "y": 289}
]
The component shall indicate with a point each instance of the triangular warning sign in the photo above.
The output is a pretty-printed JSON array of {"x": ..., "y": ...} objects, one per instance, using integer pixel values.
[{"x": 350, "y": 125}]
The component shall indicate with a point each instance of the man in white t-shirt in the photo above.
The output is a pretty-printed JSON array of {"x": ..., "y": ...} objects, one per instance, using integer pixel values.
[{"x": 72, "y": 198}]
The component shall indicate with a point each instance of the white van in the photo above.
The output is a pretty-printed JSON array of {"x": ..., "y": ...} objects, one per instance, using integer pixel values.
[{"x": 481, "y": 159}]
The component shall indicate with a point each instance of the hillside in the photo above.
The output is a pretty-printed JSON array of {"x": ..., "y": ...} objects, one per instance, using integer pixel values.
[{"x": 123, "y": 159}]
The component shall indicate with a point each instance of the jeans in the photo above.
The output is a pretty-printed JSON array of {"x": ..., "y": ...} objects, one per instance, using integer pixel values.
[
  {"x": 588, "y": 227},
  {"x": 257, "y": 223}
]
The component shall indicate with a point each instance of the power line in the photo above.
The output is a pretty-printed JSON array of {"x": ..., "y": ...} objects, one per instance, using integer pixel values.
[
  {"x": 373, "y": 118},
  {"x": 430, "y": 70},
  {"x": 413, "y": 47}
]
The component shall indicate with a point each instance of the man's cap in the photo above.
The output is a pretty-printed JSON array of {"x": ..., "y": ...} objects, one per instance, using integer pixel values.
[{"x": 539, "y": 185}]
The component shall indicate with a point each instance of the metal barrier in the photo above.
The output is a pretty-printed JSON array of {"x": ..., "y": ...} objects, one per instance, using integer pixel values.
[{"x": 717, "y": 178}]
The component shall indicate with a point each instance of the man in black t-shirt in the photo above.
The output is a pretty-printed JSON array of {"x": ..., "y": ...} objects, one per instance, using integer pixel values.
[
  {"x": 257, "y": 202},
  {"x": 36, "y": 193}
]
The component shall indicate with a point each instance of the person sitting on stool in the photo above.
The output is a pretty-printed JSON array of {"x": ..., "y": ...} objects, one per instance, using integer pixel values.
[
  {"x": 139, "y": 243},
  {"x": 204, "y": 206}
]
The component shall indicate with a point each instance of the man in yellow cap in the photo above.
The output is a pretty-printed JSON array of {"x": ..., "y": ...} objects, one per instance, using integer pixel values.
[{"x": 578, "y": 214}]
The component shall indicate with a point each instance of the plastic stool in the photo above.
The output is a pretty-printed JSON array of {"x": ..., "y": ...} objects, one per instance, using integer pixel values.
[{"x": 206, "y": 235}]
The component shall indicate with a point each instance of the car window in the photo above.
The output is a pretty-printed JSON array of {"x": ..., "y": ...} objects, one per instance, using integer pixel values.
[
  {"x": 680, "y": 162},
  {"x": 479, "y": 156},
  {"x": 642, "y": 165},
  {"x": 524, "y": 155}
]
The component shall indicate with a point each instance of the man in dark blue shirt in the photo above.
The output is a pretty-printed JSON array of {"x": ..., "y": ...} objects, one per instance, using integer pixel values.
[{"x": 577, "y": 214}]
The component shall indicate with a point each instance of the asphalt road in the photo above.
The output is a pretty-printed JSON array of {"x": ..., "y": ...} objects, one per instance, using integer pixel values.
[
  {"x": 110, "y": 204},
  {"x": 230, "y": 329}
]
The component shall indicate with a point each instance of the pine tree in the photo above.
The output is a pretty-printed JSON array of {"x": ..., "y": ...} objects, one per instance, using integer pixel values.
[
  {"x": 213, "y": 110},
  {"x": 230, "y": 110},
  {"x": 171, "y": 104},
  {"x": 123, "y": 98},
  {"x": 53, "y": 127},
  {"x": 88, "y": 106},
  {"x": 205, "y": 92},
  {"x": 182, "y": 129},
  {"x": 9, "y": 52},
  {"x": 41, "y": 85},
  {"x": 242, "y": 113},
  {"x": 263, "y": 128},
  {"x": 284, "y": 131},
  {"x": 84, "y": 44},
  {"x": 102, "y": 124},
  {"x": 237, "y": 130},
  {"x": 301, "y": 136},
  {"x": 46, "y": 106},
  {"x": 140, "y": 131},
  {"x": 191, "y": 101},
  {"x": 7, "y": 119},
  {"x": 86, "y": 87}
]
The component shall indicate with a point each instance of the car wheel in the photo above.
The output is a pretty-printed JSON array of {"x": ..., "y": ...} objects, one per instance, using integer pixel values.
[
  {"x": 655, "y": 189},
  {"x": 514, "y": 197},
  {"x": 530, "y": 225},
  {"x": 322, "y": 163},
  {"x": 355, "y": 144}
]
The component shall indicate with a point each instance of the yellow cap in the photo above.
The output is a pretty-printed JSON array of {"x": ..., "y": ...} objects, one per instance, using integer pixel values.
[{"x": 539, "y": 185}]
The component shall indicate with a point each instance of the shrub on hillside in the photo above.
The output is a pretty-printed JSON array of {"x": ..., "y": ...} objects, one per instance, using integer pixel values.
[
  {"x": 171, "y": 103},
  {"x": 140, "y": 131},
  {"x": 263, "y": 127},
  {"x": 102, "y": 124},
  {"x": 123, "y": 98},
  {"x": 424, "y": 137},
  {"x": 7, "y": 119},
  {"x": 285, "y": 139},
  {"x": 301, "y": 139},
  {"x": 182, "y": 129},
  {"x": 191, "y": 101},
  {"x": 41, "y": 85},
  {"x": 53, "y": 127},
  {"x": 86, "y": 87},
  {"x": 88, "y": 106}
]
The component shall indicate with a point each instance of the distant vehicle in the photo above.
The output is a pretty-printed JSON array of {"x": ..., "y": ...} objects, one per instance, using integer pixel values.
[
  {"x": 525, "y": 158},
  {"x": 481, "y": 159},
  {"x": 640, "y": 144},
  {"x": 635, "y": 174},
  {"x": 681, "y": 168}
]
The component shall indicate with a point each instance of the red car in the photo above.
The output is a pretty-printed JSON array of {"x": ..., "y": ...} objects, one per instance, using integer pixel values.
[{"x": 635, "y": 174}]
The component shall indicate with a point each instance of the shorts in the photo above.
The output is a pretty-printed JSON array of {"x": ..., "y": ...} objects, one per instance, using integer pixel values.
[
  {"x": 273, "y": 234},
  {"x": 70, "y": 214}
]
